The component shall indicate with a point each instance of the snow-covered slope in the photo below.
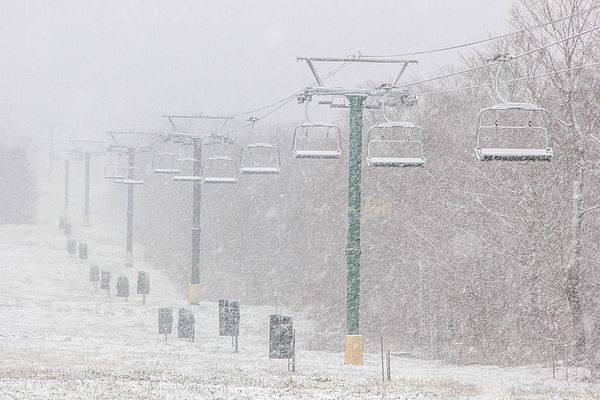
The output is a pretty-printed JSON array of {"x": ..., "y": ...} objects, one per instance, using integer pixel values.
[{"x": 60, "y": 339}]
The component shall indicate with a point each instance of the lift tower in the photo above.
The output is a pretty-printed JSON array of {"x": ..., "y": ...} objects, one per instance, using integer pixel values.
[
  {"x": 88, "y": 149},
  {"x": 121, "y": 169},
  {"x": 197, "y": 171},
  {"x": 356, "y": 102}
]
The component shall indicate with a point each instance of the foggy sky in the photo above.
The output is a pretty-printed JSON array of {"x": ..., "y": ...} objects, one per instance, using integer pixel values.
[{"x": 81, "y": 67}]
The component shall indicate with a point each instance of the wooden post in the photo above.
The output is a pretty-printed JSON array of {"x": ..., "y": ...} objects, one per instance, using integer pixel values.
[
  {"x": 389, "y": 365},
  {"x": 382, "y": 363}
]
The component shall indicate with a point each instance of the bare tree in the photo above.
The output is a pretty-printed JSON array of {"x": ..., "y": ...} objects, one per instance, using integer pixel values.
[{"x": 570, "y": 53}]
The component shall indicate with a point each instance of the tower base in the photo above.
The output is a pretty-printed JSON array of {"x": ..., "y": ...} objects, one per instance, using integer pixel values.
[
  {"x": 194, "y": 294},
  {"x": 354, "y": 350}
]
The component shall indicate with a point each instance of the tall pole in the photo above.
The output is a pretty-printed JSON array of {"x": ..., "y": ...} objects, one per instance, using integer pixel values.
[
  {"x": 194, "y": 290},
  {"x": 86, "y": 203},
  {"x": 354, "y": 341},
  {"x": 66, "y": 204},
  {"x": 130, "y": 176}
]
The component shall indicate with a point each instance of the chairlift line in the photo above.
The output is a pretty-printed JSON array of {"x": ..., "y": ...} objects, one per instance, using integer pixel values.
[
  {"x": 251, "y": 154},
  {"x": 185, "y": 169},
  {"x": 492, "y": 63},
  {"x": 224, "y": 163},
  {"x": 523, "y": 78},
  {"x": 164, "y": 163},
  {"x": 507, "y": 110},
  {"x": 126, "y": 175},
  {"x": 283, "y": 102},
  {"x": 316, "y": 139},
  {"x": 469, "y": 44},
  {"x": 181, "y": 165},
  {"x": 112, "y": 166},
  {"x": 397, "y": 136},
  {"x": 421, "y": 53},
  {"x": 115, "y": 168}
]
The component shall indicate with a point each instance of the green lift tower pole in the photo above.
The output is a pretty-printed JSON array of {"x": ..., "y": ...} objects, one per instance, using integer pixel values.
[
  {"x": 87, "y": 149},
  {"x": 86, "y": 201},
  {"x": 197, "y": 140},
  {"x": 354, "y": 345},
  {"x": 356, "y": 97},
  {"x": 194, "y": 290},
  {"x": 129, "y": 244},
  {"x": 354, "y": 203},
  {"x": 129, "y": 143}
]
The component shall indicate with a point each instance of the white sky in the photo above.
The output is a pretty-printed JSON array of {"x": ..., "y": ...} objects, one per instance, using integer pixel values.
[{"x": 86, "y": 66}]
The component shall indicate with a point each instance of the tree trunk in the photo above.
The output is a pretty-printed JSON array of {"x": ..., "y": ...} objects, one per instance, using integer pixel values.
[
  {"x": 574, "y": 278},
  {"x": 573, "y": 273}
]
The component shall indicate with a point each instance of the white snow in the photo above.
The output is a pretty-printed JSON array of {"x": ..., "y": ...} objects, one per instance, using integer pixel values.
[{"x": 59, "y": 339}]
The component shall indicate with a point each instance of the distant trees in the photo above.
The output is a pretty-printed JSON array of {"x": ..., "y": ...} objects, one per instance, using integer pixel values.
[
  {"x": 485, "y": 260},
  {"x": 570, "y": 96},
  {"x": 17, "y": 185}
]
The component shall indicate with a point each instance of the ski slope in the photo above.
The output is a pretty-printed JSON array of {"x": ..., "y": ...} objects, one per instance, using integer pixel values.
[{"x": 61, "y": 339}]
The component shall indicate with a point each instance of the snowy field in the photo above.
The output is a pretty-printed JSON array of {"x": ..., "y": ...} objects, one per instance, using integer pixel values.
[{"x": 60, "y": 339}]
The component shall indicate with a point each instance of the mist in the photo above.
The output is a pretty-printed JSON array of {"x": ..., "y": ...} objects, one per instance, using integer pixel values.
[
  {"x": 299, "y": 199},
  {"x": 79, "y": 69}
]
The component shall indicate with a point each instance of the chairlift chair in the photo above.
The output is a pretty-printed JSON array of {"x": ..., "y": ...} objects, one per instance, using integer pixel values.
[
  {"x": 249, "y": 165},
  {"x": 531, "y": 129},
  {"x": 259, "y": 158},
  {"x": 316, "y": 139},
  {"x": 226, "y": 164},
  {"x": 309, "y": 144},
  {"x": 510, "y": 111},
  {"x": 112, "y": 167},
  {"x": 186, "y": 170},
  {"x": 131, "y": 176},
  {"x": 164, "y": 163},
  {"x": 386, "y": 136},
  {"x": 218, "y": 168},
  {"x": 395, "y": 143}
]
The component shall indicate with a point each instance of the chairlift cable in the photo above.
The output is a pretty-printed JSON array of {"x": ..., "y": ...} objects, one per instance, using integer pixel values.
[
  {"x": 469, "y": 44},
  {"x": 489, "y": 64},
  {"x": 293, "y": 95},
  {"x": 288, "y": 100},
  {"x": 523, "y": 78},
  {"x": 282, "y": 102}
]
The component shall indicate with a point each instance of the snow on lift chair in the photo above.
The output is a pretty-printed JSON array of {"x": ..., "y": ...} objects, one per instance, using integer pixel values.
[
  {"x": 219, "y": 169},
  {"x": 112, "y": 167},
  {"x": 316, "y": 139},
  {"x": 509, "y": 119},
  {"x": 164, "y": 163},
  {"x": 131, "y": 176},
  {"x": 259, "y": 158},
  {"x": 395, "y": 144},
  {"x": 186, "y": 170}
]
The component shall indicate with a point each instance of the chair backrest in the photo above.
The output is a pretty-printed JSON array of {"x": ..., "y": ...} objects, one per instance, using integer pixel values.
[
  {"x": 513, "y": 132},
  {"x": 395, "y": 144},
  {"x": 317, "y": 140},
  {"x": 219, "y": 169},
  {"x": 260, "y": 158}
]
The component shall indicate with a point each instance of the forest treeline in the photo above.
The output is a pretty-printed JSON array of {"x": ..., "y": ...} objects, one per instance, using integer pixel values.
[
  {"x": 17, "y": 184},
  {"x": 489, "y": 262}
]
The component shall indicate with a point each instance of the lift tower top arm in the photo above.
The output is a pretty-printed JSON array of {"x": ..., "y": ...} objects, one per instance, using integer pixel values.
[{"x": 357, "y": 59}]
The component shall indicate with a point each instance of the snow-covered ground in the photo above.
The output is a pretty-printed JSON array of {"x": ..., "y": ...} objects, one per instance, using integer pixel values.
[{"x": 60, "y": 339}]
